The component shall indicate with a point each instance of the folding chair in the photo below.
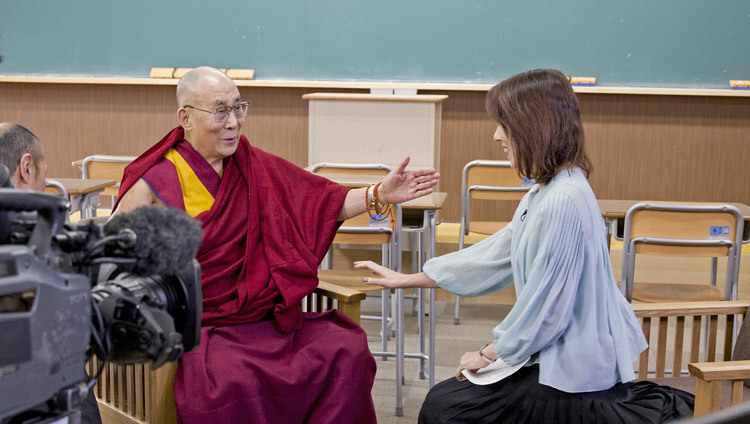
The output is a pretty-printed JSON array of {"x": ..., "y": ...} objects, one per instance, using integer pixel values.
[{"x": 486, "y": 180}]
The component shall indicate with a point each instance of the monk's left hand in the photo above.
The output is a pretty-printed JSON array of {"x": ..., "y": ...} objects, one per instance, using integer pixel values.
[
  {"x": 469, "y": 361},
  {"x": 401, "y": 185}
]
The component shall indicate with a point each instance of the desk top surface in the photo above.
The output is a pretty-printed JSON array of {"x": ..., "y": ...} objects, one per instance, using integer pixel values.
[
  {"x": 619, "y": 208},
  {"x": 78, "y": 186},
  {"x": 431, "y": 201}
]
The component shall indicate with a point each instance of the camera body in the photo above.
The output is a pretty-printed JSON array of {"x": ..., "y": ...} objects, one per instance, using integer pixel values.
[
  {"x": 66, "y": 295},
  {"x": 44, "y": 332}
]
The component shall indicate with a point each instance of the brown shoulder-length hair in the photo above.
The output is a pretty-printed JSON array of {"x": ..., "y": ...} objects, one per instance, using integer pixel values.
[{"x": 539, "y": 113}]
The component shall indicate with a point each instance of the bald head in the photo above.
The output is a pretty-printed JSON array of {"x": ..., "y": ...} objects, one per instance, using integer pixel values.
[
  {"x": 208, "y": 105},
  {"x": 191, "y": 84}
]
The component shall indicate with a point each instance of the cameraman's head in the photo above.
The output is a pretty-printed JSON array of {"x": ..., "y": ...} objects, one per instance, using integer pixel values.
[{"x": 23, "y": 154}]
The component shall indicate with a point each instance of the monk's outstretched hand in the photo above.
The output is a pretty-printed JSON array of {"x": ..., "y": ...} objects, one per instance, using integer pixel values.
[{"x": 401, "y": 185}]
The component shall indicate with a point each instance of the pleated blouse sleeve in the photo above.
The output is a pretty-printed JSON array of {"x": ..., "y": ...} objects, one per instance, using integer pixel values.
[
  {"x": 476, "y": 270},
  {"x": 551, "y": 268}
]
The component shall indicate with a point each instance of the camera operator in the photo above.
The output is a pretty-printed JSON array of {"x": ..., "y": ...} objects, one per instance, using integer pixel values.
[{"x": 23, "y": 154}]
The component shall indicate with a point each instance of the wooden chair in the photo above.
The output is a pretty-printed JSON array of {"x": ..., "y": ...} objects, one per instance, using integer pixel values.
[
  {"x": 131, "y": 394},
  {"x": 486, "y": 180},
  {"x": 681, "y": 230},
  {"x": 104, "y": 167},
  {"x": 360, "y": 231},
  {"x": 676, "y": 326}
]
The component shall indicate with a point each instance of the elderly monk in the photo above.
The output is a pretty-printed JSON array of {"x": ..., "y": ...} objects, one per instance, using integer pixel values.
[{"x": 267, "y": 225}]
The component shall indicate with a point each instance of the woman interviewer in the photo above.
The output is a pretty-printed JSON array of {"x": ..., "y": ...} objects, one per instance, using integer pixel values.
[{"x": 565, "y": 351}]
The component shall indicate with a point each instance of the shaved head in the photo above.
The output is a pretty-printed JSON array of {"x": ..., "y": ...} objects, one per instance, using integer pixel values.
[
  {"x": 202, "y": 94},
  {"x": 190, "y": 86}
]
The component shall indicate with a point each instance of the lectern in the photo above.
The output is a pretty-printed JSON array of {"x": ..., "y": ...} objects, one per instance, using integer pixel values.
[{"x": 374, "y": 128}]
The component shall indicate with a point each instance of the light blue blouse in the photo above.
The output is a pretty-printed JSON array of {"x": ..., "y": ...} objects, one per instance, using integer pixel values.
[{"x": 569, "y": 316}]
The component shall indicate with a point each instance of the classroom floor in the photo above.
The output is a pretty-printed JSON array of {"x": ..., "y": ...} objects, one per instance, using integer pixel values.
[{"x": 479, "y": 316}]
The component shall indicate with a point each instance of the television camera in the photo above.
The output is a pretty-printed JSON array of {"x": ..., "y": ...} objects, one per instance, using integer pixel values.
[{"x": 127, "y": 291}]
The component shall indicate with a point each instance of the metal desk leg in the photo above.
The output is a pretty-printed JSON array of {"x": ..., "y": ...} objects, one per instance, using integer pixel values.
[
  {"x": 421, "y": 323},
  {"x": 433, "y": 251},
  {"x": 76, "y": 204},
  {"x": 88, "y": 203},
  {"x": 400, "y": 353},
  {"x": 416, "y": 265}
]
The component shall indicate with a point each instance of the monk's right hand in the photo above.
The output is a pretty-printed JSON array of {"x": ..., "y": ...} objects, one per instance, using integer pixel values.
[{"x": 388, "y": 277}]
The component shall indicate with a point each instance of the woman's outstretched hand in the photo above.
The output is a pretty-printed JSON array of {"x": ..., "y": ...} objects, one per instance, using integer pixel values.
[
  {"x": 391, "y": 279},
  {"x": 383, "y": 276},
  {"x": 401, "y": 185}
]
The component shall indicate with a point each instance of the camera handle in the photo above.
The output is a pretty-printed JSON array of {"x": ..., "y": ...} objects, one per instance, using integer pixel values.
[{"x": 51, "y": 212}]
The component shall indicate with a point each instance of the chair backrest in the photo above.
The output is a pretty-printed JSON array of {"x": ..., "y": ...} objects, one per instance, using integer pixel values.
[
  {"x": 351, "y": 168},
  {"x": 55, "y": 187},
  {"x": 105, "y": 167},
  {"x": 488, "y": 180},
  {"x": 667, "y": 345},
  {"x": 363, "y": 229},
  {"x": 684, "y": 230}
]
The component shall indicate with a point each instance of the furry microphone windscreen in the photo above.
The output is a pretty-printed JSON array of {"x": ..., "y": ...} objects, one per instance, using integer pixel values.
[{"x": 167, "y": 239}]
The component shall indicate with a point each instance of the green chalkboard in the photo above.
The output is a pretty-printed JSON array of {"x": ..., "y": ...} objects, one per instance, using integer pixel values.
[{"x": 651, "y": 43}]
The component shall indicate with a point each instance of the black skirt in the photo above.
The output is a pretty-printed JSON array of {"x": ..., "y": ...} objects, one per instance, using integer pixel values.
[{"x": 520, "y": 398}]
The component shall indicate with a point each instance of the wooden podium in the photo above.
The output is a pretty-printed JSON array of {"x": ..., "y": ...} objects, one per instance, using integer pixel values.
[{"x": 374, "y": 128}]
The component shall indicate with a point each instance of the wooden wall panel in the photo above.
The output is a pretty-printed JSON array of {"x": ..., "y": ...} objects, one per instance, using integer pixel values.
[
  {"x": 642, "y": 146},
  {"x": 74, "y": 121},
  {"x": 669, "y": 148}
]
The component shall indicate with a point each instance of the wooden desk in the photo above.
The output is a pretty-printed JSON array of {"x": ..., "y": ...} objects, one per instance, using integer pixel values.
[
  {"x": 614, "y": 211},
  {"x": 83, "y": 193}
]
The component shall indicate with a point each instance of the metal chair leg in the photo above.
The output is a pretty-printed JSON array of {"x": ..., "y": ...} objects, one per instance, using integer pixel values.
[{"x": 455, "y": 310}]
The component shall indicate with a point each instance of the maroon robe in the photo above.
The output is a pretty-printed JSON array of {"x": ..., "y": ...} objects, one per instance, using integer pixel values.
[{"x": 261, "y": 359}]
